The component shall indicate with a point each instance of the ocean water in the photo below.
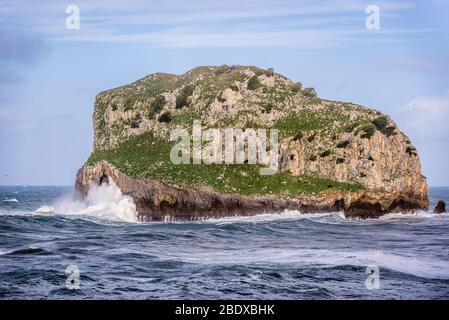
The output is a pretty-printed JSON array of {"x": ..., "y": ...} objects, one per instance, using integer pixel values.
[{"x": 52, "y": 247}]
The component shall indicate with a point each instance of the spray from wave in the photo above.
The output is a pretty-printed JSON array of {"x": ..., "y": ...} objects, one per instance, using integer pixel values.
[
  {"x": 285, "y": 215},
  {"x": 330, "y": 218},
  {"x": 105, "y": 201}
]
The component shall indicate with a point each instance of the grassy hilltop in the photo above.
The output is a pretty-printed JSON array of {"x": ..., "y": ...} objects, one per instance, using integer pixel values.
[{"x": 318, "y": 137}]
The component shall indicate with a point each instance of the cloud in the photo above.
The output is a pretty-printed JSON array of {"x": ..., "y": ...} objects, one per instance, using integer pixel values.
[
  {"x": 18, "y": 51},
  {"x": 180, "y": 11},
  {"x": 420, "y": 64},
  {"x": 203, "y": 23},
  {"x": 196, "y": 38},
  {"x": 428, "y": 116}
]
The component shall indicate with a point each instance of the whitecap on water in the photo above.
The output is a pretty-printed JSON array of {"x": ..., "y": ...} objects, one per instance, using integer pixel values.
[
  {"x": 326, "y": 218},
  {"x": 414, "y": 265},
  {"x": 44, "y": 210},
  {"x": 412, "y": 215},
  {"x": 269, "y": 217},
  {"x": 11, "y": 200},
  {"x": 102, "y": 202}
]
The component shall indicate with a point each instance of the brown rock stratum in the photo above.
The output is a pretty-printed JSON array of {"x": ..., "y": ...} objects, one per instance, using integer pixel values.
[{"x": 374, "y": 153}]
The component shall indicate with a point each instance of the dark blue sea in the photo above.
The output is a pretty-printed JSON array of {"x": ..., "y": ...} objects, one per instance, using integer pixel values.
[{"x": 52, "y": 247}]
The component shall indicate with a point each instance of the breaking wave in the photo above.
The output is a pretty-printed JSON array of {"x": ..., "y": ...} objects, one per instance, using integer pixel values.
[
  {"x": 327, "y": 217},
  {"x": 318, "y": 258},
  {"x": 289, "y": 255},
  {"x": 105, "y": 201}
]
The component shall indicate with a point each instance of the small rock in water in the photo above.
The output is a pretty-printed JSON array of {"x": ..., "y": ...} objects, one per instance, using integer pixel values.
[{"x": 441, "y": 207}]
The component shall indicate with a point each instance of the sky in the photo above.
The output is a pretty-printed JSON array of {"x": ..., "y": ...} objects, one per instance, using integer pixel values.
[{"x": 50, "y": 73}]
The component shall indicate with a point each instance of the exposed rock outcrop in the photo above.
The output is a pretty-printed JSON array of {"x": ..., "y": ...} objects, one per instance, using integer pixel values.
[
  {"x": 157, "y": 200},
  {"x": 333, "y": 155},
  {"x": 440, "y": 207}
]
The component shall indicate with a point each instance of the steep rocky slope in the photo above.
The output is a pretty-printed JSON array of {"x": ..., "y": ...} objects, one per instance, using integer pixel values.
[{"x": 333, "y": 155}]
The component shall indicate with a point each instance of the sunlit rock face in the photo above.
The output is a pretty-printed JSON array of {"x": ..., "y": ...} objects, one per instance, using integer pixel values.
[{"x": 332, "y": 155}]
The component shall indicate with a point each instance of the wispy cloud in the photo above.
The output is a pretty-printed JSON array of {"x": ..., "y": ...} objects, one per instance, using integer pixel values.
[
  {"x": 19, "y": 48},
  {"x": 427, "y": 116},
  {"x": 179, "y": 11},
  {"x": 17, "y": 52},
  {"x": 230, "y": 23},
  {"x": 419, "y": 64}
]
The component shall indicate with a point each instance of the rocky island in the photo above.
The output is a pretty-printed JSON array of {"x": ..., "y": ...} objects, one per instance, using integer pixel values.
[{"x": 333, "y": 156}]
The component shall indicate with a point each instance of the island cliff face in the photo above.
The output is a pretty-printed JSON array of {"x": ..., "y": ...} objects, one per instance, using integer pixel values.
[{"x": 332, "y": 156}]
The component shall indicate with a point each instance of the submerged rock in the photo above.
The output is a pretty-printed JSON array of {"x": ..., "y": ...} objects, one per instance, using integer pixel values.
[
  {"x": 440, "y": 207},
  {"x": 332, "y": 155}
]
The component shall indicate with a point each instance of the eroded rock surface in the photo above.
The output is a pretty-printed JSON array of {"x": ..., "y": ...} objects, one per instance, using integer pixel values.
[
  {"x": 440, "y": 207},
  {"x": 333, "y": 155}
]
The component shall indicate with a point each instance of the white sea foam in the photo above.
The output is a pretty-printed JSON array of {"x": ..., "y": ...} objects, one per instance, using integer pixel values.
[
  {"x": 268, "y": 217},
  {"x": 104, "y": 202},
  {"x": 44, "y": 210},
  {"x": 327, "y": 217},
  {"x": 11, "y": 200},
  {"x": 413, "y": 215},
  {"x": 417, "y": 266},
  {"x": 108, "y": 202}
]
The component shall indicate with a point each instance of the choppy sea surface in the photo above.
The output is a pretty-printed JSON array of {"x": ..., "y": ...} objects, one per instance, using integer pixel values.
[{"x": 52, "y": 247}]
